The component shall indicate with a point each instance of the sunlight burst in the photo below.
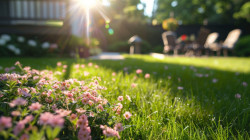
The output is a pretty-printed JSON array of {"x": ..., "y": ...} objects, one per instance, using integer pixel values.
[{"x": 87, "y": 3}]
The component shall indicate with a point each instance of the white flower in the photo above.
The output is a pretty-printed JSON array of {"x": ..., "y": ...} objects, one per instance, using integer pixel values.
[
  {"x": 2, "y": 42},
  {"x": 45, "y": 45},
  {"x": 11, "y": 47},
  {"x": 6, "y": 37},
  {"x": 17, "y": 51},
  {"x": 20, "y": 39},
  {"x": 32, "y": 43}
]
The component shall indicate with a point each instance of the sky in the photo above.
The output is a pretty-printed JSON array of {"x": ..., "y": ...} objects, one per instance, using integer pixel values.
[
  {"x": 149, "y": 6},
  {"x": 148, "y": 9}
]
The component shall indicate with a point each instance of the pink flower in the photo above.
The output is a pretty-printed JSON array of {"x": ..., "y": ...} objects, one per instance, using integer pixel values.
[
  {"x": 82, "y": 66},
  {"x": 63, "y": 112},
  {"x": 45, "y": 118},
  {"x": 73, "y": 116},
  {"x": 55, "y": 86},
  {"x": 59, "y": 64},
  {"x": 90, "y": 64},
  {"x": 85, "y": 101},
  {"x": 238, "y": 96},
  {"x": 5, "y": 122},
  {"x": 77, "y": 66},
  {"x": 85, "y": 73},
  {"x": 56, "y": 120},
  {"x": 128, "y": 97},
  {"x": 215, "y": 80},
  {"x": 15, "y": 113},
  {"x": 19, "y": 127},
  {"x": 109, "y": 132},
  {"x": 65, "y": 66},
  {"x": 180, "y": 88},
  {"x": 84, "y": 117},
  {"x": 18, "y": 101},
  {"x": 113, "y": 74},
  {"x": 80, "y": 110},
  {"x": 120, "y": 98},
  {"x": 35, "y": 106},
  {"x": 125, "y": 69},
  {"x": 28, "y": 119},
  {"x": 118, "y": 127},
  {"x": 133, "y": 85},
  {"x": 127, "y": 115},
  {"x": 24, "y": 137},
  {"x": 100, "y": 107},
  {"x": 54, "y": 107},
  {"x": 244, "y": 84},
  {"x": 17, "y": 63},
  {"x": 147, "y": 75},
  {"x": 138, "y": 71},
  {"x": 96, "y": 66}
]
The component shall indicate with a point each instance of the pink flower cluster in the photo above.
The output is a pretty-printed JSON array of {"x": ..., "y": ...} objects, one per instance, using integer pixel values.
[
  {"x": 109, "y": 132},
  {"x": 139, "y": 71},
  {"x": 84, "y": 129},
  {"x": 48, "y": 118},
  {"x": 21, "y": 124},
  {"x": 17, "y": 102},
  {"x": 5, "y": 122},
  {"x": 35, "y": 106}
]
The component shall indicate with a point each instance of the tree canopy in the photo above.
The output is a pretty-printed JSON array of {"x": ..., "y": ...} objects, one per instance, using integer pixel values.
[{"x": 198, "y": 11}]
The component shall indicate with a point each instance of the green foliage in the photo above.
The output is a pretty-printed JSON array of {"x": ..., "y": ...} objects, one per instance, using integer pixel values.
[
  {"x": 120, "y": 46},
  {"x": 202, "y": 110},
  {"x": 76, "y": 41},
  {"x": 126, "y": 9},
  {"x": 145, "y": 47},
  {"x": 242, "y": 47},
  {"x": 13, "y": 45},
  {"x": 158, "y": 49},
  {"x": 196, "y": 11},
  {"x": 244, "y": 12}
]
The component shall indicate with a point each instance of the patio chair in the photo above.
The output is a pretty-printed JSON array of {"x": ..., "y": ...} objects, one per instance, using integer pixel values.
[
  {"x": 212, "y": 37},
  {"x": 198, "y": 45},
  {"x": 228, "y": 44},
  {"x": 169, "y": 40}
]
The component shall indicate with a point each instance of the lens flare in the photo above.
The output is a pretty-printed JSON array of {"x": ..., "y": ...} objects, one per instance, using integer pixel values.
[{"x": 87, "y": 3}]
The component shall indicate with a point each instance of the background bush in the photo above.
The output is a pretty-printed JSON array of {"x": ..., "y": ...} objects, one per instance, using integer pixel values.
[{"x": 242, "y": 47}]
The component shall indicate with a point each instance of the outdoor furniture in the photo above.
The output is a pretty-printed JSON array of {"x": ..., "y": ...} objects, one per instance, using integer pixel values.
[
  {"x": 169, "y": 40},
  {"x": 228, "y": 44},
  {"x": 198, "y": 45},
  {"x": 212, "y": 37}
]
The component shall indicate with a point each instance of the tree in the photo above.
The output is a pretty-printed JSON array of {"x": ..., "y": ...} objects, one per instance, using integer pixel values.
[
  {"x": 244, "y": 12},
  {"x": 197, "y": 11},
  {"x": 125, "y": 9}
]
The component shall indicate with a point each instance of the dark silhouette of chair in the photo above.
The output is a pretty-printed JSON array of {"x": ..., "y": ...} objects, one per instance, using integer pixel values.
[
  {"x": 228, "y": 44},
  {"x": 169, "y": 40},
  {"x": 198, "y": 45}
]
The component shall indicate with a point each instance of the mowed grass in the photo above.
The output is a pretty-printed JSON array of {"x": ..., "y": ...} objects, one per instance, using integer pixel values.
[{"x": 184, "y": 98}]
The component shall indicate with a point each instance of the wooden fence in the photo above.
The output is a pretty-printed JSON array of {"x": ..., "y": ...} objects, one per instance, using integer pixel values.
[{"x": 32, "y": 12}]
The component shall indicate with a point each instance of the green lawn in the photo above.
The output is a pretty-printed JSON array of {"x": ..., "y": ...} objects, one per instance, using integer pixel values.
[{"x": 184, "y": 98}]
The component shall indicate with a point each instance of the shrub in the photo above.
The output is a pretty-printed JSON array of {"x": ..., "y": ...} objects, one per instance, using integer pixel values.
[
  {"x": 158, "y": 49},
  {"x": 242, "y": 47},
  {"x": 120, "y": 46},
  {"x": 11, "y": 45},
  {"x": 36, "y": 105},
  {"x": 145, "y": 47}
]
